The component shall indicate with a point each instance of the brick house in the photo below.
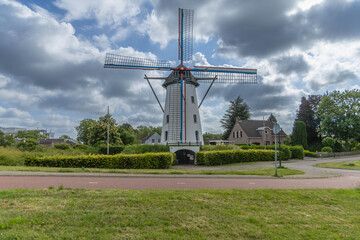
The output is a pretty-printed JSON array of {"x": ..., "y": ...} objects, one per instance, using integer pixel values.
[{"x": 256, "y": 132}]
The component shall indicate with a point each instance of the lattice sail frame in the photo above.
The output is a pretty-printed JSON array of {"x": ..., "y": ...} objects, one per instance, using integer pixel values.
[{"x": 186, "y": 26}]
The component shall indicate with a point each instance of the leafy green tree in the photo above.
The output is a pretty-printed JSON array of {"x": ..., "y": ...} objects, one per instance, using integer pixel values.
[
  {"x": 33, "y": 134},
  {"x": 299, "y": 135},
  {"x": 97, "y": 132},
  {"x": 6, "y": 140},
  {"x": 237, "y": 108},
  {"x": 142, "y": 131},
  {"x": 65, "y": 137},
  {"x": 83, "y": 130},
  {"x": 340, "y": 115},
  {"x": 27, "y": 144},
  {"x": 211, "y": 136}
]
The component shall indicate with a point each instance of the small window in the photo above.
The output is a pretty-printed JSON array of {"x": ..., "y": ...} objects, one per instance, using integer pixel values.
[
  {"x": 233, "y": 134},
  {"x": 192, "y": 99},
  {"x": 167, "y": 118},
  {"x": 195, "y": 120},
  {"x": 241, "y": 134},
  {"x": 166, "y": 135},
  {"x": 153, "y": 140},
  {"x": 237, "y": 134},
  {"x": 158, "y": 140},
  {"x": 265, "y": 132},
  {"x": 197, "y": 135}
]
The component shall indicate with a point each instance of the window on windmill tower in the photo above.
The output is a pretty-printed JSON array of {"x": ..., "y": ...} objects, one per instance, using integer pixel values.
[
  {"x": 195, "y": 120},
  {"x": 167, "y": 118},
  {"x": 192, "y": 99}
]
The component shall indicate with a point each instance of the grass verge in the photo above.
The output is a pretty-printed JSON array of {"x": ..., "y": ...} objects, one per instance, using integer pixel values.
[
  {"x": 179, "y": 214},
  {"x": 354, "y": 165},
  {"x": 254, "y": 171}
]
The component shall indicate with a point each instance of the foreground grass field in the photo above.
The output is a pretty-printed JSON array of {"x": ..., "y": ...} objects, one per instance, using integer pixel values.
[
  {"x": 355, "y": 165},
  {"x": 179, "y": 214},
  {"x": 254, "y": 171}
]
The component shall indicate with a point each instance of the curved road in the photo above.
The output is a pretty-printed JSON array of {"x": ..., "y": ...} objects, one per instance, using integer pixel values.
[{"x": 315, "y": 177}]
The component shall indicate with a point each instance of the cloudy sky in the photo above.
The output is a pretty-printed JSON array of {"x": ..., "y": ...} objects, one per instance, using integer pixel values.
[{"x": 52, "y": 54}]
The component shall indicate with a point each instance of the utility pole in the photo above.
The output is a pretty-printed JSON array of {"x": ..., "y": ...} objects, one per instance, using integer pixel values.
[{"x": 108, "y": 129}]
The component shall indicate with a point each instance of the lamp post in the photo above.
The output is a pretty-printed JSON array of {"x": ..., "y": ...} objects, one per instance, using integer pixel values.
[{"x": 276, "y": 130}]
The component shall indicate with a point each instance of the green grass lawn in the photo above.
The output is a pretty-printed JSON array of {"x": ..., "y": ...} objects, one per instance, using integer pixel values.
[
  {"x": 179, "y": 214},
  {"x": 355, "y": 165},
  {"x": 255, "y": 171}
]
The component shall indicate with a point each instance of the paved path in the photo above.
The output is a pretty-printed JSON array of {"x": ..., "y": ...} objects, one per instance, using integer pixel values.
[{"x": 315, "y": 177}]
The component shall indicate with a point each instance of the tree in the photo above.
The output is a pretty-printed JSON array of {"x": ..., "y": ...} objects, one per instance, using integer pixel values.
[
  {"x": 65, "y": 137},
  {"x": 340, "y": 115},
  {"x": 237, "y": 108},
  {"x": 299, "y": 135},
  {"x": 83, "y": 130},
  {"x": 272, "y": 118},
  {"x": 211, "y": 136},
  {"x": 6, "y": 140},
  {"x": 142, "y": 131},
  {"x": 97, "y": 132},
  {"x": 306, "y": 113},
  {"x": 33, "y": 134}
]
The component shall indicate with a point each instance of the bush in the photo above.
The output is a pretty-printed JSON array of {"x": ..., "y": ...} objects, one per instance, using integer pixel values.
[
  {"x": 211, "y": 158},
  {"x": 328, "y": 142},
  {"x": 137, "y": 149},
  {"x": 309, "y": 154},
  {"x": 86, "y": 148},
  {"x": 122, "y": 161},
  {"x": 62, "y": 146},
  {"x": 11, "y": 157},
  {"x": 112, "y": 149},
  {"x": 284, "y": 148},
  {"x": 338, "y": 146},
  {"x": 27, "y": 144},
  {"x": 326, "y": 149},
  {"x": 297, "y": 152},
  {"x": 218, "y": 147}
]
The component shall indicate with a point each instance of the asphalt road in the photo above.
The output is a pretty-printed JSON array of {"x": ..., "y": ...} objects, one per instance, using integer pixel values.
[{"x": 315, "y": 177}]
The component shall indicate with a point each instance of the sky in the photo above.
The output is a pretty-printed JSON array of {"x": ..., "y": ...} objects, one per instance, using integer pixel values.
[{"x": 52, "y": 54}]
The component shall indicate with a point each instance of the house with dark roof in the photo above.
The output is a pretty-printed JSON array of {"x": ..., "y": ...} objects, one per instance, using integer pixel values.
[
  {"x": 257, "y": 132},
  {"x": 151, "y": 139}
]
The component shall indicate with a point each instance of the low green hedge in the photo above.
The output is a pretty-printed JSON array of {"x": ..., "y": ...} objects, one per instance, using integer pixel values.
[
  {"x": 310, "y": 154},
  {"x": 145, "y": 148},
  {"x": 326, "y": 150},
  {"x": 122, "y": 161},
  {"x": 211, "y": 158},
  {"x": 297, "y": 152},
  {"x": 112, "y": 149},
  {"x": 284, "y": 148}
]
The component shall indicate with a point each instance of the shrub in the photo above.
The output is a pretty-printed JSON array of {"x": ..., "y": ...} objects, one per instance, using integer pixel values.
[
  {"x": 299, "y": 135},
  {"x": 284, "y": 148},
  {"x": 310, "y": 154},
  {"x": 297, "y": 152},
  {"x": 211, "y": 158},
  {"x": 62, "y": 146},
  {"x": 137, "y": 149},
  {"x": 11, "y": 156},
  {"x": 326, "y": 149},
  {"x": 122, "y": 161},
  {"x": 357, "y": 146},
  {"x": 28, "y": 144},
  {"x": 86, "y": 148},
  {"x": 338, "y": 146},
  {"x": 218, "y": 147},
  {"x": 328, "y": 142},
  {"x": 112, "y": 149}
]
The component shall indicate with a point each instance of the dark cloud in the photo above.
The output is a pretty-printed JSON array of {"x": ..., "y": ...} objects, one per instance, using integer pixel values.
[{"x": 291, "y": 64}]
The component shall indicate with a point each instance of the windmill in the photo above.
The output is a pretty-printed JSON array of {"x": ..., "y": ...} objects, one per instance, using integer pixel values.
[{"x": 181, "y": 121}]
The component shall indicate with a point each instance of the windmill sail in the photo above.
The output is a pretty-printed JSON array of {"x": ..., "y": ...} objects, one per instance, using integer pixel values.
[
  {"x": 125, "y": 62},
  {"x": 225, "y": 75},
  {"x": 186, "y": 22}
]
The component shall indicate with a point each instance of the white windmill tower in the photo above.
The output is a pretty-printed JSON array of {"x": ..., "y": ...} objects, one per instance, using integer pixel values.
[{"x": 181, "y": 121}]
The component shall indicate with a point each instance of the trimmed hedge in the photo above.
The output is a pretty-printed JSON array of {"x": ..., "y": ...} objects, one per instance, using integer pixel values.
[
  {"x": 297, "y": 152},
  {"x": 326, "y": 150},
  {"x": 211, "y": 158},
  {"x": 310, "y": 154},
  {"x": 112, "y": 149},
  {"x": 145, "y": 148},
  {"x": 284, "y": 148},
  {"x": 122, "y": 161}
]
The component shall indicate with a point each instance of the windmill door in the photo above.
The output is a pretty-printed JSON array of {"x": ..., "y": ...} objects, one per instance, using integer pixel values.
[{"x": 185, "y": 157}]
